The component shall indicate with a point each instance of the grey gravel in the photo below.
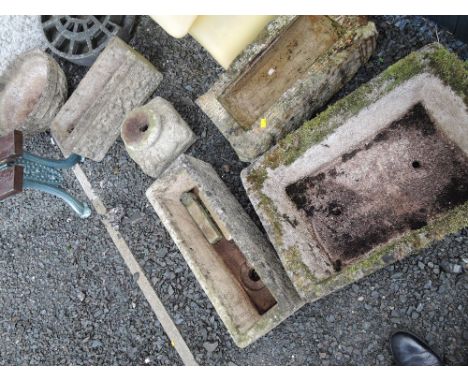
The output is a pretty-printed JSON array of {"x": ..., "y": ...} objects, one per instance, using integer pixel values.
[
  {"x": 41, "y": 238},
  {"x": 210, "y": 346},
  {"x": 19, "y": 34},
  {"x": 451, "y": 267}
]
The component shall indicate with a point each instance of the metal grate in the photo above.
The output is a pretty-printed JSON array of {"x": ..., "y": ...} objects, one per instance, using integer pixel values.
[{"x": 80, "y": 39}]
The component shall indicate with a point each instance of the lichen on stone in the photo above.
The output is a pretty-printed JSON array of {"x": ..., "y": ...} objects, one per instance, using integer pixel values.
[
  {"x": 453, "y": 71},
  {"x": 271, "y": 212}
]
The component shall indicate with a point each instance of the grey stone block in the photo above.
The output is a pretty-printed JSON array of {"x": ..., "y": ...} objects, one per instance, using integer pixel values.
[
  {"x": 380, "y": 173},
  {"x": 18, "y": 35},
  {"x": 154, "y": 135},
  {"x": 291, "y": 70},
  {"x": 239, "y": 290},
  {"x": 120, "y": 80},
  {"x": 33, "y": 88}
]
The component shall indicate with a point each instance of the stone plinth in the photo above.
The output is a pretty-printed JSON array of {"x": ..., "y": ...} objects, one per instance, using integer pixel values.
[{"x": 155, "y": 135}]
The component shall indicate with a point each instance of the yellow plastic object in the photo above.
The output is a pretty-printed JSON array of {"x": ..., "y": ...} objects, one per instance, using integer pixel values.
[
  {"x": 176, "y": 26},
  {"x": 224, "y": 37}
]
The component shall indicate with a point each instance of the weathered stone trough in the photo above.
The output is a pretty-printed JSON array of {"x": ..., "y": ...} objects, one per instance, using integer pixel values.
[
  {"x": 234, "y": 263},
  {"x": 380, "y": 173},
  {"x": 294, "y": 67}
]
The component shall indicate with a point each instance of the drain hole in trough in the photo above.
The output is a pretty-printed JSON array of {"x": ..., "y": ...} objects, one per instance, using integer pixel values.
[
  {"x": 416, "y": 164},
  {"x": 337, "y": 265},
  {"x": 254, "y": 275},
  {"x": 143, "y": 128}
]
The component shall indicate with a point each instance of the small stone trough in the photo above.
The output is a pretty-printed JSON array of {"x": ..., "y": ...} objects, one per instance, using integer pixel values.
[
  {"x": 380, "y": 173},
  {"x": 234, "y": 263},
  {"x": 293, "y": 68}
]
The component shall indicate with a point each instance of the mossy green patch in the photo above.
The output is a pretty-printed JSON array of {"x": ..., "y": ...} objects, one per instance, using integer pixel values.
[
  {"x": 299, "y": 272},
  {"x": 267, "y": 205},
  {"x": 451, "y": 70},
  {"x": 256, "y": 178}
]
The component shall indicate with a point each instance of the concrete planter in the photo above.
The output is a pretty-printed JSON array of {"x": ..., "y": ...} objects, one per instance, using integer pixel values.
[
  {"x": 293, "y": 68},
  {"x": 33, "y": 89},
  {"x": 233, "y": 262},
  {"x": 380, "y": 173}
]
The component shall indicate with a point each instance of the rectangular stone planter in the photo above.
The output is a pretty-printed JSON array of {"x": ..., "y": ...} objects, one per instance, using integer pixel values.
[
  {"x": 294, "y": 67},
  {"x": 120, "y": 80},
  {"x": 380, "y": 173},
  {"x": 233, "y": 262}
]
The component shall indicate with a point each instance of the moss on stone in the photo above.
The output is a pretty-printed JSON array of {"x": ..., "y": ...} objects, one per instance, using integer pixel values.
[
  {"x": 295, "y": 265},
  {"x": 272, "y": 214},
  {"x": 256, "y": 178},
  {"x": 451, "y": 70},
  {"x": 401, "y": 71}
]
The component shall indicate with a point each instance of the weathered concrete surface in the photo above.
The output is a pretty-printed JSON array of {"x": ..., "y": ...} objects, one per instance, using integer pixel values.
[
  {"x": 380, "y": 173},
  {"x": 283, "y": 78},
  {"x": 19, "y": 34},
  {"x": 155, "y": 135},
  {"x": 231, "y": 298},
  {"x": 33, "y": 88},
  {"x": 120, "y": 80}
]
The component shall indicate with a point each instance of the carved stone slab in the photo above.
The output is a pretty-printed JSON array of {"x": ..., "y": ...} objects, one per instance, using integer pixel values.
[{"x": 120, "y": 80}]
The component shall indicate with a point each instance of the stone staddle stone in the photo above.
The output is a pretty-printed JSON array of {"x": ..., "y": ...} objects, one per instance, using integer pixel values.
[
  {"x": 33, "y": 88},
  {"x": 119, "y": 80},
  {"x": 155, "y": 135}
]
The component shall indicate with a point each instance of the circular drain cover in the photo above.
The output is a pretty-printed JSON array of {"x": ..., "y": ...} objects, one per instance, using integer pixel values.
[{"x": 80, "y": 39}]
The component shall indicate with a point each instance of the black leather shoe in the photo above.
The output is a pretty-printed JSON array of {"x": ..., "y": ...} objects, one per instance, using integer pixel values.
[{"x": 409, "y": 350}]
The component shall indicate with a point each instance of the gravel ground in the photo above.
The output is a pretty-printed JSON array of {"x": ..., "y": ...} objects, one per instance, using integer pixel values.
[{"x": 75, "y": 260}]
